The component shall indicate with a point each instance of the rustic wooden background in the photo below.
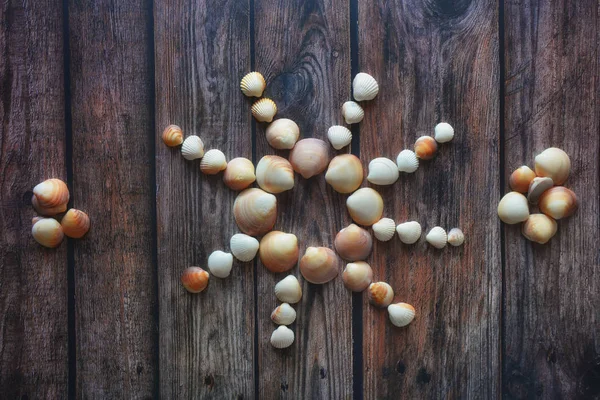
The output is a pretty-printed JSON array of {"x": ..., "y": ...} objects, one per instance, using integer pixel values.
[{"x": 87, "y": 86}]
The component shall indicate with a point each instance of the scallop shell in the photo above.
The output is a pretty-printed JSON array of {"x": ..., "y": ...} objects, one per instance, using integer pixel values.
[
  {"x": 553, "y": 163},
  {"x": 384, "y": 229},
  {"x": 47, "y": 232},
  {"x": 382, "y": 171},
  {"x": 437, "y": 237},
  {"x": 239, "y": 174},
  {"x": 274, "y": 174},
  {"x": 381, "y": 294},
  {"x": 456, "y": 237},
  {"x": 253, "y": 84},
  {"x": 278, "y": 251},
  {"x": 288, "y": 290},
  {"x": 345, "y": 173},
  {"x": 352, "y": 112},
  {"x": 443, "y": 132},
  {"x": 364, "y": 87},
  {"x": 283, "y": 315},
  {"x": 407, "y": 161},
  {"x": 282, "y": 134},
  {"x": 75, "y": 223},
  {"x": 513, "y": 208},
  {"x": 319, "y": 265},
  {"x": 220, "y": 263},
  {"x": 213, "y": 162},
  {"x": 172, "y": 136},
  {"x": 192, "y": 148},
  {"x": 47, "y": 211},
  {"x": 282, "y": 337},
  {"x": 401, "y": 314},
  {"x": 194, "y": 279},
  {"x": 353, "y": 243},
  {"x": 255, "y": 211},
  {"x": 365, "y": 206},
  {"x": 243, "y": 247},
  {"x": 357, "y": 276},
  {"x": 339, "y": 136},
  {"x": 409, "y": 232},
  {"x": 264, "y": 110},
  {"x": 425, "y": 147},
  {"x": 309, "y": 157},
  {"x": 51, "y": 193},
  {"x": 537, "y": 187}
]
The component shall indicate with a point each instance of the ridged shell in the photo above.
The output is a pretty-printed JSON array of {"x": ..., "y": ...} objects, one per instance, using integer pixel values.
[
  {"x": 437, "y": 237},
  {"x": 365, "y": 206},
  {"x": 319, "y": 265},
  {"x": 253, "y": 84},
  {"x": 537, "y": 187},
  {"x": 456, "y": 237},
  {"x": 243, "y": 247},
  {"x": 288, "y": 290},
  {"x": 553, "y": 163},
  {"x": 75, "y": 223},
  {"x": 425, "y": 147},
  {"x": 339, "y": 136},
  {"x": 284, "y": 314},
  {"x": 381, "y": 294},
  {"x": 352, "y": 112},
  {"x": 513, "y": 208},
  {"x": 409, "y": 232},
  {"x": 220, "y": 263},
  {"x": 278, "y": 251},
  {"x": 357, "y": 276},
  {"x": 558, "y": 202},
  {"x": 443, "y": 132},
  {"x": 213, "y": 162},
  {"x": 47, "y": 232},
  {"x": 239, "y": 174},
  {"x": 51, "y": 193},
  {"x": 264, "y": 110},
  {"x": 282, "y": 134},
  {"x": 172, "y": 136},
  {"x": 345, "y": 173},
  {"x": 282, "y": 337},
  {"x": 401, "y": 314},
  {"x": 255, "y": 211},
  {"x": 539, "y": 228},
  {"x": 192, "y": 148},
  {"x": 47, "y": 211},
  {"x": 407, "y": 161},
  {"x": 353, "y": 243},
  {"x": 194, "y": 279},
  {"x": 384, "y": 229},
  {"x": 382, "y": 171},
  {"x": 364, "y": 87},
  {"x": 274, "y": 174},
  {"x": 309, "y": 157}
]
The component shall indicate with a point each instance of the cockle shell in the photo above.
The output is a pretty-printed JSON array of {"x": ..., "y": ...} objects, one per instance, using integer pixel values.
[
  {"x": 437, "y": 237},
  {"x": 521, "y": 178},
  {"x": 51, "y": 193},
  {"x": 274, "y": 174},
  {"x": 553, "y": 163},
  {"x": 309, "y": 157},
  {"x": 353, "y": 243},
  {"x": 352, "y": 112},
  {"x": 537, "y": 187},
  {"x": 288, "y": 290},
  {"x": 382, "y": 171},
  {"x": 409, "y": 232},
  {"x": 47, "y": 211},
  {"x": 192, "y": 148},
  {"x": 443, "y": 132},
  {"x": 194, "y": 279},
  {"x": 213, "y": 162},
  {"x": 380, "y": 294},
  {"x": 513, "y": 208},
  {"x": 220, "y": 263},
  {"x": 407, "y": 161},
  {"x": 319, "y": 265},
  {"x": 539, "y": 228},
  {"x": 345, "y": 173},
  {"x": 243, "y": 247},
  {"x": 278, "y": 251},
  {"x": 253, "y": 84},
  {"x": 172, "y": 136},
  {"x": 357, "y": 276},
  {"x": 425, "y": 147},
  {"x": 282, "y": 134},
  {"x": 456, "y": 237},
  {"x": 255, "y": 211},
  {"x": 364, "y": 87},
  {"x": 47, "y": 232},
  {"x": 75, "y": 223},
  {"x": 264, "y": 110},
  {"x": 401, "y": 314},
  {"x": 365, "y": 206},
  {"x": 384, "y": 229},
  {"x": 239, "y": 174},
  {"x": 284, "y": 314},
  {"x": 282, "y": 337},
  {"x": 558, "y": 202},
  {"x": 339, "y": 136}
]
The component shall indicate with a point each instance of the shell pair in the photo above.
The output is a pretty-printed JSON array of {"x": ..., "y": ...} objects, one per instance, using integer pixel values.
[{"x": 437, "y": 237}]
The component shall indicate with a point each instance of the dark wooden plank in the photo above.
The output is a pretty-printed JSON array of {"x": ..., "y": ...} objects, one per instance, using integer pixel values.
[
  {"x": 552, "y": 298},
  {"x": 436, "y": 61},
  {"x": 303, "y": 50},
  {"x": 206, "y": 340},
  {"x": 115, "y": 289},
  {"x": 33, "y": 279}
]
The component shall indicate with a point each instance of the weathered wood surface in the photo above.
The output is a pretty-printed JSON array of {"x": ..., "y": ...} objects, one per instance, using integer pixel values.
[
  {"x": 33, "y": 279},
  {"x": 115, "y": 284},
  {"x": 552, "y": 292}
]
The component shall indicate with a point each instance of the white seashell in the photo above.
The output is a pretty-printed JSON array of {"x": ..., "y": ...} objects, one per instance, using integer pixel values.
[
  {"x": 384, "y": 229},
  {"x": 352, "y": 112},
  {"x": 253, "y": 84},
  {"x": 364, "y": 87},
  {"x": 282, "y": 134},
  {"x": 553, "y": 163},
  {"x": 284, "y": 314},
  {"x": 274, "y": 174},
  {"x": 409, "y": 232},
  {"x": 192, "y": 148},
  {"x": 243, "y": 247},
  {"x": 288, "y": 290},
  {"x": 345, "y": 173},
  {"x": 456, "y": 237},
  {"x": 407, "y": 161},
  {"x": 365, "y": 206},
  {"x": 339, "y": 136},
  {"x": 443, "y": 132},
  {"x": 219, "y": 264},
  {"x": 382, "y": 171},
  {"x": 513, "y": 208},
  {"x": 264, "y": 110},
  {"x": 213, "y": 162},
  {"x": 537, "y": 187},
  {"x": 47, "y": 232},
  {"x": 401, "y": 314},
  {"x": 282, "y": 337},
  {"x": 437, "y": 237}
]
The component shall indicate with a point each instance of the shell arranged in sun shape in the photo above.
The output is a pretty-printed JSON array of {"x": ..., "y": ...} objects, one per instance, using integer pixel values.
[
  {"x": 264, "y": 110},
  {"x": 192, "y": 148},
  {"x": 401, "y": 314},
  {"x": 319, "y": 265},
  {"x": 239, "y": 174},
  {"x": 51, "y": 193},
  {"x": 288, "y": 290},
  {"x": 47, "y": 232},
  {"x": 243, "y": 247},
  {"x": 284, "y": 314},
  {"x": 381, "y": 294},
  {"x": 384, "y": 229},
  {"x": 278, "y": 251},
  {"x": 443, "y": 132},
  {"x": 75, "y": 223},
  {"x": 437, "y": 237},
  {"x": 353, "y": 243},
  {"x": 339, "y": 136},
  {"x": 172, "y": 136},
  {"x": 253, "y": 84},
  {"x": 382, "y": 171},
  {"x": 456, "y": 237},
  {"x": 255, "y": 211},
  {"x": 365, "y": 206},
  {"x": 409, "y": 232},
  {"x": 345, "y": 173},
  {"x": 213, "y": 162},
  {"x": 282, "y": 134},
  {"x": 352, "y": 112},
  {"x": 407, "y": 161},
  {"x": 220, "y": 263},
  {"x": 309, "y": 157},
  {"x": 274, "y": 174},
  {"x": 282, "y": 337},
  {"x": 364, "y": 87}
]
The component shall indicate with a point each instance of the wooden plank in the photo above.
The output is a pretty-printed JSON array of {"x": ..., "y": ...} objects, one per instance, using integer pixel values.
[
  {"x": 33, "y": 279},
  {"x": 303, "y": 50},
  {"x": 552, "y": 326},
  {"x": 115, "y": 288},
  {"x": 206, "y": 340},
  {"x": 435, "y": 62}
]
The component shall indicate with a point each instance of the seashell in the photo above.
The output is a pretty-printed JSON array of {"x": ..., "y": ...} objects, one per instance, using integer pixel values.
[
  {"x": 345, "y": 173},
  {"x": 384, "y": 229},
  {"x": 357, "y": 276},
  {"x": 274, "y": 174},
  {"x": 288, "y": 290},
  {"x": 558, "y": 202},
  {"x": 47, "y": 232},
  {"x": 309, "y": 157},
  {"x": 284, "y": 314},
  {"x": 380, "y": 294},
  {"x": 537, "y": 187},
  {"x": 425, "y": 147},
  {"x": 353, "y": 243},
  {"x": 75, "y": 223},
  {"x": 521, "y": 178},
  {"x": 264, "y": 110},
  {"x": 339, "y": 136},
  {"x": 352, "y": 112},
  {"x": 47, "y": 211},
  {"x": 319, "y": 265},
  {"x": 553, "y": 163},
  {"x": 194, "y": 279},
  {"x": 243, "y": 247},
  {"x": 213, "y": 162},
  {"x": 365, "y": 206},
  {"x": 401, "y": 314},
  {"x": 282, "y": 134},
  {"x": 364, "y": 87},
  {"x": 220, "y": 263},
  {"x": 192, "y": 148},
  {"x": 456, "y": 237},
  {"x": 513, "y": 208},
  {"x": 409, "y": 232},
  {"x": 239, "y": 174},
  {"x": 539, "y": 228},
  {"x": 437, "y": 237},
  {"x": 278, "y": 251},
  {"x": 172, "y": 136},
  {"x": 282, "y": 337},
  {"x": 255, "y": 211},
  {"x": 382, "y": 171},
  {"x": 443, "y": 132},
  {"x": 253, "y": 84},
  {"x": 407, "y": 161},
  {"x": 51, "y": 193}
]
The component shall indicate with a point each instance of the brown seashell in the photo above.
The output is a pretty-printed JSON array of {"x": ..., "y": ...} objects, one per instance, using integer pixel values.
[
  {"x": 75, "y": 223},
  {"x": 47, "y": 212},
  {"x": 255, "y": 211},
  {"x": 521, "y": 178},
  {"x": 319, "y": 265},
  {"x": 558, "y": 202},
  {"x": 278, "y": 251},
  {"x": 194, "y": 279},
  {"x": 309, "y": 157},
  {"x": 353, "y": 243},
  {"x": 172, "y": 136},
  {"x": 51, "y": 193},
  {"x": 239, "y": 174},
  {"x": 425, "y": 147}
]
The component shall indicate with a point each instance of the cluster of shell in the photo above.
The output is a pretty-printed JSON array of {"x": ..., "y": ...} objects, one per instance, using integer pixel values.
[
  {"x": 50, "y": 199},
  {"x": 544, "y": 189}
]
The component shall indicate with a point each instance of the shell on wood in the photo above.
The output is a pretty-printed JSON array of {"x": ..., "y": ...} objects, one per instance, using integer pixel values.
[
  {"x": 357, "y": 276},
  {"x": 513, "y": 208},
  {"x": 537, "y": 187},
  {"x": 384, "y": 229},
  {"x": 339, "y": 136},
  {"x": 172, "y": 136},
  {"x": 309, "y": 157},
  {"x": 282, "y": 337},
  {"x": 521, "y": 178},
  {"x": 278, "y": 251},
  {"x": 282, "y": 134},
  {"x": 47, "y": 211},
  {"x": 284, "y": 314},
  {"x": 213, "y": 162},
  {"x": 274, "y": 174},
  {"x": 443, "y": 132},
  {"x": 288, "y": 290},
  {"x": 425, "y": 147},
  {"x": 558, "y": 202},
  {"x": 365, "y": 206},
  {"x": 553, "y": 163},
  {"x": 75, "y": 224},
  {"x": 382, "y": 171},
  {"x": 407, "y": 161},
  {"x": 239, "y": 174},
  {"x": 192, "y": 148},
  {"x": 220, "y": 263},
  {"x": 255, "y": 211},
  {"x": 264, "y": 110},
  {"x": 437, "y": 237},
  {"x": 243, "y": 247},
  {"x": 319, "y": 265},
  {"x": 381, "y": 294},
  {"x": 253, "y": 84},
  {"x": 539, "y": 228},
  {"x": 353, "y": 243},
  {"x": 51, "y": 193},
  {"x": 401, "y": 314},
  {"x": 352, "y": 112},
  {"x": 409, "y": 232},
  {"x": 364, "y": 87},
  {"x": 194, "y": 279},
  {"x": 47, "y": 232},
  {"x": 456, "y": 237},
  {"x": 345, "y": 173}
]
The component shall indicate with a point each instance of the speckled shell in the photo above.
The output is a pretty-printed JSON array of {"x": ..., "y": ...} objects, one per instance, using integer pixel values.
[
  {"x": 192, "y": 148},
  {"x": 253, "y": 84},
  {"x": 220, "y": 263},
  {"x": 194, "y": 279},
  {"x": 437, "y": 237},
  {"x": 345, "y": 173},
  {"x": 255, "y": 211},
  {"x": 288, "y": 290},
  {"x": 381, "y": 294},
  {"x": 353, "y": 243},
  {"x": 443, "y": 132},
  {"x": 75, "y": 224},
  {"x": 239, "y": 174},
  {"x": 243, "y": 247},
  {"x": 51, "y": 193},
  {"x": 284, "y": 314},
  {"x": 382, "y": 171},
  {"x": 213, "y": 162},
  {"x": 309, "y": 157},
  {"x": 401, "y": 314},
  {"x": 409, "y": 232},
  {"x": 172, "y": 136},
  {"x": 352, "y": 112},
  {"x": 364, "y": 87},
  {"x": 319, "y": 265},
  {"x": 425, "y": 147},
  {"x": 365, "y": 206},
  {"x": 339, "y": 136},
  {"x": 384, "y": 229},
  {"x": 47, "y": 232},
  {"x": 282, "y": 134},
  {"x": 264, "y": 110},
  {"x": 274, "y": 174},
  {"x": 282, "y": 337},
  {"x": 407, "y": 161}
]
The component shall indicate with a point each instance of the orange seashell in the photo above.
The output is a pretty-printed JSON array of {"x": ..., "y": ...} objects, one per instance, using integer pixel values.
[
  {"x": 75, "y": 223},
  {"x": 51, "y": 193},
  {"x": 425, "y": 147},
  {"x": 278, "y": 251},
  {"x": 194, "y": 279},
  {"x": 47, "y": 212},
  {"x": 380, "y": 294},
  {"x": 353, "y": 243},
  {"x": 172, "y": 136},
  {"x": 521, "y": 178},
  {"x": 319, "y": 265}
]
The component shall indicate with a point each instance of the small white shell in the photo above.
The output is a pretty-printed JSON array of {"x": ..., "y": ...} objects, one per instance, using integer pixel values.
[
  {"x": 513, "y": 208},
  {"x": 409, "y": 232},
  {"x": 437, "y": 237},
  {"x": 443, "y": 132},
  {"x": 282, "y": 337},
  {"x": 213, "y": 162},
  {"x": 288, "y": 290},
  {"x": 339, "y": 136},
  {"x": 352, "y": 112},
  {"x": 407, "y": 161},
  {"x": 219, "y": 263},
  {"x": 384, "y": 229},
  {"x": 192, "y": 148},
  {"x": 365, "y": 206},
  {"x": 456, "y": 237},
  {"x": 253, "y": 84},
  {"x": 264, "y": 110},
  {"x": 284, "y": 314},
  {"x": 382, "y": 171},
  {"x": 364, "y": 87},
  {"x": 243, "y": 247},
  {"x": 401, "y": 314}
]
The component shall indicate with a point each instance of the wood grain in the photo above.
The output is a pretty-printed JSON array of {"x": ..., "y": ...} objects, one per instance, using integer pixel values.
[
  {"x": 552, "y": 325},
  {"x": 33, "y": 284},
  {"x": 435, "y": 61},
  {"x": 206, "y": 339},
  {"x": 115, "y": 289}
]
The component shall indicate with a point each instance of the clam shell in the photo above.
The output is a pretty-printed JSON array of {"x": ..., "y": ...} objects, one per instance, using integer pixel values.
[
  {"x": 380, "y": 294},
  {"x": 384, "y": 229},
  {"x": 401, "y": 314},
  {"x": 194, "y": 279},
  {"x": 172, "y": 136},
  {"x": 539, "y": 228},
  {"x": 278, "y": 251},
  {"x": 345, "y": 173},
  {"x": 353, "y": 243},
  {"x": 309, "y": 157},
  {"x": 75, "y": 223},
  {"x": 282, "y": 134},
  {"x": 443, "y": 132},
  {"x": 213, "y": 162},
  {"x": 339, "y": 136},
  {"x": 319, "y": 265},
  {"x": 192, "y": 148},
  {"x": 357, "y": 276},
  {"x": 51, "y": 193},
  {"x": 284, "y": 314},
  {"x": 407, "y": 161},
  {"x": 365, "y": 206},
  {"x": 425, "y": 147},
  {"x": 409, "y": 232},
  {"x": 288, "y": 290},
  {"x": 220, "y": 263},
  {"x": 553, "y": 163},
  {"x": 456, "y": 237},
  {"x": 47, "y": 232},
  {"x": 537, "y": 187},
  {"x": 282, "y": 337},
  {"x": 255, "y": 211},
  {"x": 558, "y": 202},
  {"x": 382, "y": 171},
  {"x": 264, "y": 110},
  {"x": 513, "y": 208},
  {"x": 352, "y": 112},
  {"x": 364, "y": 87},
  {"x": 274, "y": 174},
  {"x": 521, "y": 178},
  {"x": 437, "y": 237},
  {"x": 239, "y": 174},
  {"x": 47, "y": 211},
  {"x": 243, "y": 247},
  {"x": 253, "y": 84}
]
